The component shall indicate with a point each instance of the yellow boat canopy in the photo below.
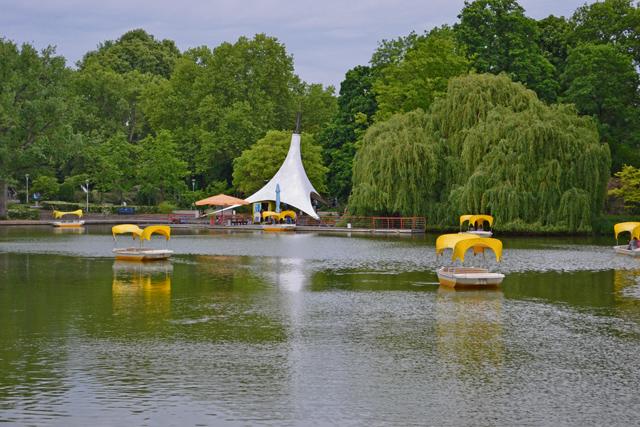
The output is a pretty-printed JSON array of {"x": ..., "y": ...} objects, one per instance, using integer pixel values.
[
  {"x": 464, "y": 218},
  {"x": 280, "y": 215},
  {"x": 476, "y": 218},
  {"x": 165, "y": 230},
  {"x": 126, "y": 228},
  {"x": 58, "y": 214},
  {"x": 460, "y": 243},
  {"x": 625, "y": 226}
]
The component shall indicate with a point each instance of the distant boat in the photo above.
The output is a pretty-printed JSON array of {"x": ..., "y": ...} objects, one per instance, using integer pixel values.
[
  {"x": 468, "y": 276},
  {"x": 68, "y": 223},
  {"x": 141, "y": 253},
  {"x": 277, "y": 217},
  {"x": 473, "y": 220},
  {"x": 634, "y": 229}
]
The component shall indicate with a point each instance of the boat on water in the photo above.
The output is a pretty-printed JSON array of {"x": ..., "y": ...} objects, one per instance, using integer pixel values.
[
  {"x": 67, "y": 223},
  {"x": 475, "y": 225},
  {"x": 283, "y": 221},
  {"x": 468, "y": 276},
  {"x": 628, "y": 249},
  {"x": 141, "y": 253}
]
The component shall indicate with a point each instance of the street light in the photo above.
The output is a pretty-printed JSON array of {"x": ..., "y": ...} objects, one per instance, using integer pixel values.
[
  {"x": 27, "y": 176},
  {"x": 87, "y": 181},
  {"x": 193, "y": 184}
]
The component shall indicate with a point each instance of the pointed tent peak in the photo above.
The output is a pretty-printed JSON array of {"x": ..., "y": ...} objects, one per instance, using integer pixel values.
[{"x": 297, "y": 129}]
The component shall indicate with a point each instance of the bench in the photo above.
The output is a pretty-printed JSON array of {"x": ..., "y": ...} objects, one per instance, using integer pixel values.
[{"x": 125, "y": 211}]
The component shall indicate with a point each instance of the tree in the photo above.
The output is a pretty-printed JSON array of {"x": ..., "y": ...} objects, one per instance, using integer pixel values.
[
  {"x": 501, "y": 38},
  {"x": 421, "y": 75},
  {"x": 114, "y": 165},
  {"x": 629, "y": 190},
  {"x": 395, "y": 170},
  {"x": 135, "y": 51},
  {"x": 489, "y": 146},
  {"x": 356, "y": 106},
  {"x": 47, "y": 186},
  {"x": 259, "y": 164},
  {"x": 35, "y": 108},
  {"x": 615, "y": 22},
  {"x": 553, "y": 35},
  {"x": 161, "y": 172},
  {"x": 602, "y": 82},
  {"x": 218, "y": 103}
]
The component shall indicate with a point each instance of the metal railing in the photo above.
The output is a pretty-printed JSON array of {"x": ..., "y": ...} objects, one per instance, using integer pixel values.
[{"x": 387, "y": 223}]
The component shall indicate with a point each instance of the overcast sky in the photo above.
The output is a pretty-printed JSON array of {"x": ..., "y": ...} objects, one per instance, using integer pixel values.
[{"x": 326, "y": 37}]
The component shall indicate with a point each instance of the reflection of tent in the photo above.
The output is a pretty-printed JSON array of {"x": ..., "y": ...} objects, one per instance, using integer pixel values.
[
  {"x": 295, "y": 188},
  {"x": 221, "y": 200}
]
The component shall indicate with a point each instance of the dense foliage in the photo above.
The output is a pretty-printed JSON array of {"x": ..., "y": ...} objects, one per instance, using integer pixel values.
[
  {"x": 489, "y": 146},
  {"x": 146, "y": 123}
]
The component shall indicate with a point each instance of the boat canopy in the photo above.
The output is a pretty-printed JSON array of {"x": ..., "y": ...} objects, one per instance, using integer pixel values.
[
  {"x": 126, "y": 228},
  {"x": 464, "y": 218},
  {"x": 460, "y": 243},
  {"x": 625, "y": 226},
  {"x": 58, "y": 214},
  {"x": 279, "y": 216},
  {"x": 476, "y": 218},
  {"x": 165, "y": 230}
]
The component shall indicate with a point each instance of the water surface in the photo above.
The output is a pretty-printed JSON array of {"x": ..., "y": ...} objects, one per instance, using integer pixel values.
[{"x": 245, "y": 328}]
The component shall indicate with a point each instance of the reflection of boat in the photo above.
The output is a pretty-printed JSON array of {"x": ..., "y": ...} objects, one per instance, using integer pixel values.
[
  {"x": 634, "y": 229},
  {"x": 473, "y": 220},
  {"x": 68, "y": 223},
  {"x": 468, "y": 276},
  {"x": 141, "y": 253},
  {"x": 277, "y": 217}
]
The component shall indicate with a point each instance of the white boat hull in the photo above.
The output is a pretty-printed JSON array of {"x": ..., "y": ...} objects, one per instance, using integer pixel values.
[
  {"x": 65, "y": 224},
  {"x": 278, "y": 227},
  {"x": 623, "y": 250},
  {"x": 468, "y": 276},
  {"x": 141, "y": 254},
  {"x": 478, "y": 233}
]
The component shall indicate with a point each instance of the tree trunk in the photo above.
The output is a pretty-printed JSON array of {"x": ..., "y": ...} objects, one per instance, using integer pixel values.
[{"x": 4, "y": 188}]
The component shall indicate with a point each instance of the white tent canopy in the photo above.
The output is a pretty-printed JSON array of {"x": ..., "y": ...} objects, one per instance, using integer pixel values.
[{"x": 295, "y": 188}]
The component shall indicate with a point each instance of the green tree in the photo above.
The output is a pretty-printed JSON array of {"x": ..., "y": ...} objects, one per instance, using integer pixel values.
[
  {"x": 395, "y": 170},
  {"x": 421, "y": 75},
  {"x": 35, "y": 111},
  {"x": 114, "y": 165},
  {"x": 161, "y": 172},
  {"x": 553, "y": 41},
  {"x": 47, "y": 186},
  {"x": 629, "y": 191},
  {"x": 502, "y": 39},
  {"x": 356, "y": 107},
  {"x": 602, "y": 82},
  {"x": 490, "y": 146},
  {"x": 135, "y": 51},
  {"x": 262, "y": 161},
  {"x": 219, "y": 103},
  {"x": 615, "y": 22}
]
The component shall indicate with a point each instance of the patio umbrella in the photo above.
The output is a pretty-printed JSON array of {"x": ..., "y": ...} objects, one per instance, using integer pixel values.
[{"x": 221, "y": 200}]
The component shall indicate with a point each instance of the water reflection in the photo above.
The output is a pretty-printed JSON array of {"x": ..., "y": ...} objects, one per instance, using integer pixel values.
[
  {"x": 142, "y": 289},
  {"x": 469, "y": 325}
]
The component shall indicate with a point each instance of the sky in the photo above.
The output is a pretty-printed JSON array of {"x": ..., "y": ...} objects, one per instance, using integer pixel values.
[{"x": 326, "y": 38}]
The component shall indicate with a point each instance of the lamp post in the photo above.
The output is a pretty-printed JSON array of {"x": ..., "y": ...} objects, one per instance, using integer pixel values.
[
  {"x": 87, "y": 181},
  {"x": 193, "y": 184},
  {"x": 27, "y": 176}
]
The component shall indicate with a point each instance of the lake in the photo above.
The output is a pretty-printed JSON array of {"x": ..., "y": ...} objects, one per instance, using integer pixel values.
[{"x": 248, "y": 328}]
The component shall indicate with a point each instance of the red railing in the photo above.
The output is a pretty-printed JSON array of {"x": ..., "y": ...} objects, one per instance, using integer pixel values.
[{"x": 387, "y": 223}]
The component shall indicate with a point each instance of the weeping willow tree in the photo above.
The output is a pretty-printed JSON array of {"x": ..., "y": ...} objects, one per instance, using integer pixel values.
[{"x": 489, "y": 146}]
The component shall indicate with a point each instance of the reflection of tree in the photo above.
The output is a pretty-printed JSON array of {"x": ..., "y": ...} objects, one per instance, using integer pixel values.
[
  {"x": 141, "y": 289},
  {"x": 626, "y": 285},
  {"x": 469, "y": 328}
]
